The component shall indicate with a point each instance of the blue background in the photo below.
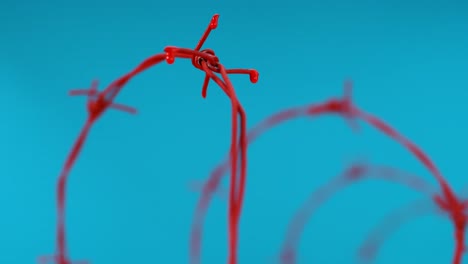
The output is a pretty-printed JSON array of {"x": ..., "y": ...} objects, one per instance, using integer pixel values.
[{"x": 128, "y": 197}]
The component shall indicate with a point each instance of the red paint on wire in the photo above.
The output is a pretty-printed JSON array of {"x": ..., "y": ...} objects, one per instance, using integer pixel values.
[{"x": 206, "y": 61}]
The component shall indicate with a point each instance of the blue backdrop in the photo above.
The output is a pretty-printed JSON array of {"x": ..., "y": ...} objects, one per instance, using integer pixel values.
[{"x": 128, "y": 199}]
